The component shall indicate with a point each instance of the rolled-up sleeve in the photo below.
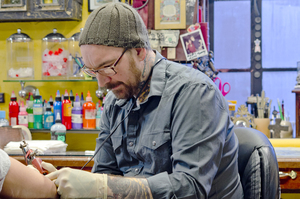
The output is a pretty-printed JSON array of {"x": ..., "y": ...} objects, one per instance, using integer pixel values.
[
  {"x": 4, "y": 166},
  {"x": 199, "y": 130}
]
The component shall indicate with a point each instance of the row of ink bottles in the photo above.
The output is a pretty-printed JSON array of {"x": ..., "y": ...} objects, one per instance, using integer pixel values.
[{"x": 74, "y": 113}]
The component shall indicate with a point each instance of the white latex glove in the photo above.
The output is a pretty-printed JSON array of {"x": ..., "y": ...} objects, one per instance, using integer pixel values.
[
  {"x": 73, "y": 183},
  {"x": 49, "y": 167}
]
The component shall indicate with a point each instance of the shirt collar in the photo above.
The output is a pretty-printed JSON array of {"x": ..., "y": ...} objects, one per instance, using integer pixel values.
[{"x": 158, "y": 80}]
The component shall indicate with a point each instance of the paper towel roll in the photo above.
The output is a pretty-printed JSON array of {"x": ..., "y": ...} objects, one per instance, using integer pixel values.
[{"x": 25, "y": 131}]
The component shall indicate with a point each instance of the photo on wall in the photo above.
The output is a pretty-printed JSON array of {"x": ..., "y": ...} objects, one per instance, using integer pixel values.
[{"x": 193, "y": 45}]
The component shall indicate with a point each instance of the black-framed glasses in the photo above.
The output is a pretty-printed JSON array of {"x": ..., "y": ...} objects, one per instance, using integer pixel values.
[{"x": 107, "y": 71}]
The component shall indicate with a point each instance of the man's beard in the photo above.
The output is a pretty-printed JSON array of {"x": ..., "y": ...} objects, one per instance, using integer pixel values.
[{"x": 129, "y": 89}]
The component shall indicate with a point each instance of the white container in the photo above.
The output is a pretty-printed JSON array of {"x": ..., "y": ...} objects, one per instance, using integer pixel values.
[
  {"x": 58, "y": 130},
  {"x": 20, "y": 62},
  {"x": 55, "y": 54},
  {"x": 75, "y": 59}
]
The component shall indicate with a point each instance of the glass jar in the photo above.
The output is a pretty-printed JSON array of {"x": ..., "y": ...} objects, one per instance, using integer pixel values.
[
  {"x": 76, "y": 62},
  {"x": 55, "y": 55},
  {"x": 20, "y": 62}
]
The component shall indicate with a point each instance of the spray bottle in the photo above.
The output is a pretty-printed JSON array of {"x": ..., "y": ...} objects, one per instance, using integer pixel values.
[
  {"x": 37, "y": 111},
  {"x": 23, "y": 115},
  {"x": 29, "y": 110},
  {"x": 89, "y": 113},
  {"x": 77, "y": 114},
  {"x": 58, "y": 130},
  {"x": 13, "y": 110},
  {"x": 57, "y": 106},
  {"x": 67, "y": 111},
  {"x": 48, "y": 117}
]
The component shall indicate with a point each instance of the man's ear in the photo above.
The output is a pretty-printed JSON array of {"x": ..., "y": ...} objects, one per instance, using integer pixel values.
[{"x": 141, "y": 53}]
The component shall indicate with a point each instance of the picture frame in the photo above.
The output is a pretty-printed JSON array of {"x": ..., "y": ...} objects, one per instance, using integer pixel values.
[
  {"x": 93, "y": 4},
  {"x": 170, "y": 14},
  {"x": 193, "y": 45}
]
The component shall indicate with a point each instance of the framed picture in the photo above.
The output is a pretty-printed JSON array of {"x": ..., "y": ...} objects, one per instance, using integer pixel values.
[
  {"x": 170, "y": 14},
  {"x": 93, "y": 4},
  {"x": 193, "y": 45}
]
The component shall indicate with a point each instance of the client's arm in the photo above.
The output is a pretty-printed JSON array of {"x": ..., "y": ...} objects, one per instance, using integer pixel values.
[{"x": 23, "y": 182}]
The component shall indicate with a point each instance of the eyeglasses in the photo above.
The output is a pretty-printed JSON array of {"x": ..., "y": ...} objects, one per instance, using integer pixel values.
[{"x": 107, "y": 71}]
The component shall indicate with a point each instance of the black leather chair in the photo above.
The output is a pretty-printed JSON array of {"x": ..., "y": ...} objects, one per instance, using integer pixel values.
[{"x": 258, "y": 166}]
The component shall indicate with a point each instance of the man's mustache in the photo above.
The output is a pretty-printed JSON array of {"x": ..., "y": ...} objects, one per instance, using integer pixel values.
[{"x": 112, "y": 85}]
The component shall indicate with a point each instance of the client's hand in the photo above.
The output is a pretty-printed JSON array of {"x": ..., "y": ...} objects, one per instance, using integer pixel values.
[{"x": 73, "y": 183}]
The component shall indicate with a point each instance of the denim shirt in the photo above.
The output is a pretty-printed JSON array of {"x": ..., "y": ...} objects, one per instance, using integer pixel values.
[{"x": 180, "y": 138}]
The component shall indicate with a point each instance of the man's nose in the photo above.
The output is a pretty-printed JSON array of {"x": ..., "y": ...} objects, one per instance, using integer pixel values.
[{"x": 102, "y": 79}]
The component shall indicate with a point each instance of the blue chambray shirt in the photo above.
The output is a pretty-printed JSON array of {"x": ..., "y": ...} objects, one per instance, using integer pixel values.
[{"x": 180, "y": 138}]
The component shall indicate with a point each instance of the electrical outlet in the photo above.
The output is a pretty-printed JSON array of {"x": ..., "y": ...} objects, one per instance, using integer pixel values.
[{"x": 1, "y": 97}]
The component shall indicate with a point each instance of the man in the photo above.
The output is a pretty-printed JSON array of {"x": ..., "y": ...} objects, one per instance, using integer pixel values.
[{"x": 171, "y": 134}]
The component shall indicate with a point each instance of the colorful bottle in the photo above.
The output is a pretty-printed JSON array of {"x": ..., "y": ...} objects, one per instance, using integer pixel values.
[
  {"x": 3, "y": 121},
  {"x": 82, "y": 99},
  {"x": 23, "y": 115},
  {"x": 98, "y": 116},
  {"x": 77, "y": 114},
  {"x": 72, "y": 98},
  {"x": 48, "y": 117},
  {"x": 58, "y": 130},
  {"x": 37, "y": 111},
  {"x": 13, "y": 110},
  {"x": 57, "y": 106},
  {"x": 29, "y": 110},
  {"x": 67, "y": 111},
  {"x": 51, "y": 102},
  {"x": 89, "y": 113}
]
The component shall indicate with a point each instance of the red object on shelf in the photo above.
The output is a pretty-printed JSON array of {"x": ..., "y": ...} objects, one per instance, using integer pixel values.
[
  {"x": 204, "y": 30},
  {"x": 13, "y": 110}
]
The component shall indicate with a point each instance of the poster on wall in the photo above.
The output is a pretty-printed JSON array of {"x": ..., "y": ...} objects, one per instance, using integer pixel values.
[
  {"x": 193, "y": 45},
  {"x": 93, "y": 4},
  {"x": 170, "y": 14}
]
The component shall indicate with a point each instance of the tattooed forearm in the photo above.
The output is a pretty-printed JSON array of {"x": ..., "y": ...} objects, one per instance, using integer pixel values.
[{"x": 128, "y": 188}]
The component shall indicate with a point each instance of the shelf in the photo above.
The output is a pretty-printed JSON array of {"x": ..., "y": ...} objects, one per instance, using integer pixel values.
[
  {"x": 57, "y": 80},
  {"x": 82, "y": 131}
]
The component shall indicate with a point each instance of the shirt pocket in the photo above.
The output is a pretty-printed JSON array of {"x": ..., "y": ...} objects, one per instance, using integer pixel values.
[{"x": 156, "y": 148}]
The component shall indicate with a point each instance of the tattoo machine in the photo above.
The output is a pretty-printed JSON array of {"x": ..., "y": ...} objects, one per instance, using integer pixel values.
[{"x": 30, "y": 158}]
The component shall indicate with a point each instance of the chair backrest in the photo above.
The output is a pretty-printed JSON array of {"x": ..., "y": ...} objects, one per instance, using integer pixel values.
[
  {"x": 258, "y": 166},
  {"x": 8, "y": 134}
]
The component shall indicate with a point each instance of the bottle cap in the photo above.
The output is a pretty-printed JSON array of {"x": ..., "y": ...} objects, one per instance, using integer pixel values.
[
  {"x": 13, "y": 96},
  {"x": 37, "y": 93},
  {"x": 57, "y": 120},
  {"x": 22, "y": 108},
  {"x": 88, "y": 97},
  {"x": 77, "y": 102}
]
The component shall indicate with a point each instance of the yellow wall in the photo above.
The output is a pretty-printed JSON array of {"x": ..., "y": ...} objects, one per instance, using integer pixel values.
[{"x": 38, "y": 30}]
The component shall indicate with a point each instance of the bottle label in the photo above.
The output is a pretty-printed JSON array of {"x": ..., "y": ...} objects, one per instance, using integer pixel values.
[
  {"x": 30, "y": 118},
  {"x": 90, "y": 114},
  {"x": 49, "y": 119},
  {"x": 23, "y": 119},
  {"x": 58, "y": 135},
  {"x": 13, "y": 121},
  {"x": 67, "y": 109},
  {"x": 37, "y": 109},
  {"x": 77, "y": 118}
]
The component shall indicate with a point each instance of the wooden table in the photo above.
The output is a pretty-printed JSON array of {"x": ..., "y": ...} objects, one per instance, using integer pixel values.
[{"x": 285, "y": 165}]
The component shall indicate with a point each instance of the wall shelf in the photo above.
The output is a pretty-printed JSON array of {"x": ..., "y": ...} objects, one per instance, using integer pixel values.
[{"x": 82, "y": 131}]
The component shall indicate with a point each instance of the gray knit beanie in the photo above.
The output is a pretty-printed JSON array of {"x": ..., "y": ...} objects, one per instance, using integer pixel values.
[{"x": 115, "y": 24}]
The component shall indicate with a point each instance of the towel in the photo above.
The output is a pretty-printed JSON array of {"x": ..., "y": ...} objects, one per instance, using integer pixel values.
[{"x": 42, "y": 146}]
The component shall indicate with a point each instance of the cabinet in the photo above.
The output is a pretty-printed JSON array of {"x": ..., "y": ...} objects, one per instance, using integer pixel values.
[{"x": 37, "y": 10}]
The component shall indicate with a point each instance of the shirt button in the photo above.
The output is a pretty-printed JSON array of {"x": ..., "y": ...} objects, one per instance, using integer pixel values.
[
  {"x": 153, "y": 143},
  {"x": 136, "y": 170},
  {"x": 130, "y": 143}
]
